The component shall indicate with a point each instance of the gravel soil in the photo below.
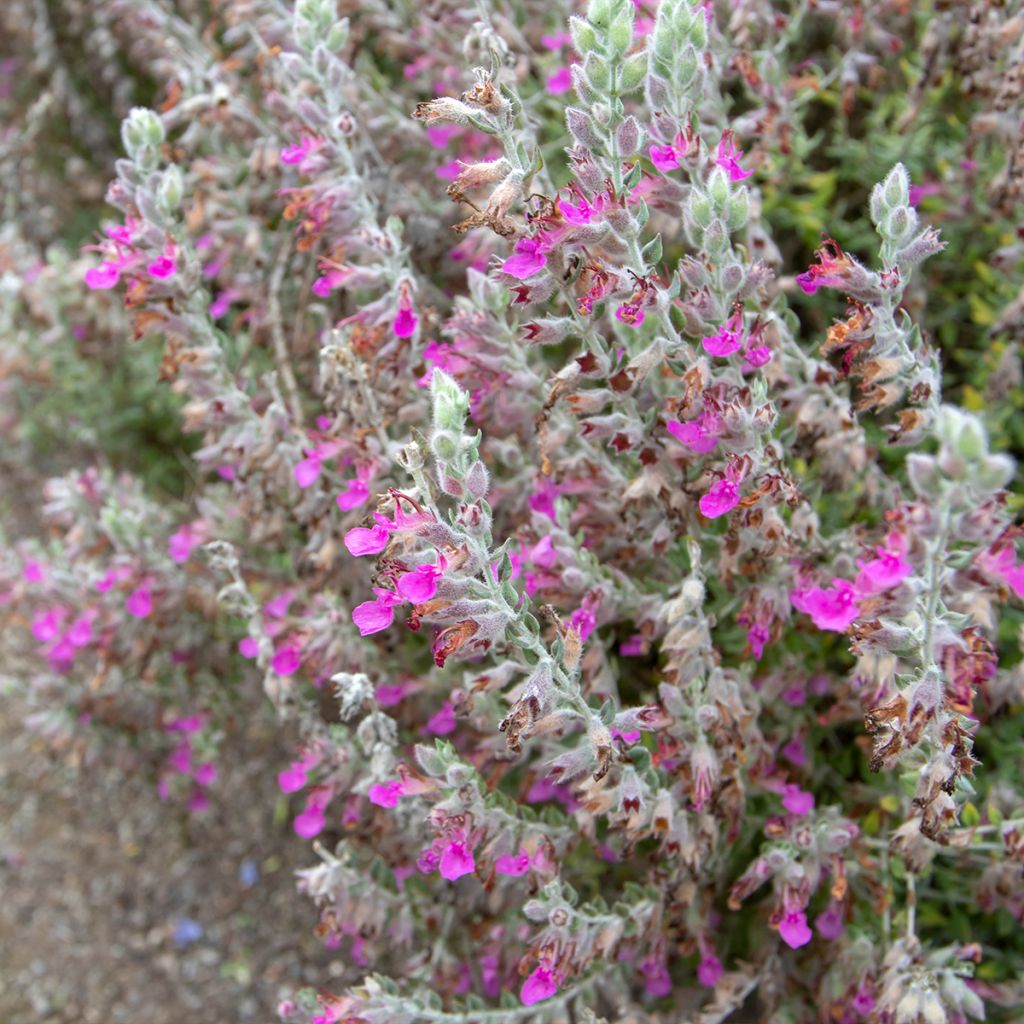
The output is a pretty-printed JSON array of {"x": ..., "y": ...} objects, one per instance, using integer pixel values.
[{"x": 119, "y": 908}]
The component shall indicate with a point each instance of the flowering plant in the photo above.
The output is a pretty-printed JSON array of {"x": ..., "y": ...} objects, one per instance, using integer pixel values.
[{"x": 638, "y": 600}]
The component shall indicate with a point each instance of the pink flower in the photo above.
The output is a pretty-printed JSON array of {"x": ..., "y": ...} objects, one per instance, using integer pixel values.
[
  {"x": 420, "y": 585},
  {"x": 794, "y": 752},
  {"x": 286, "y": 661},
  {"x": 659, "y": 981},
  {"x": 699, "y": 435},
  {"x": 443, "y": 722},
  {"x": 514, "y": 865},
  {"x": 46, "y": 625},
  {"x": 560, "y": 81},
  {"x": 293, "y": 778},
  {"x": 80, "y": 633},
  {"x": 181, "y": 543},
  {"x": 386, "y": 795},
  {"x": 794, "y": 930},
  {"x": 665, "y": 158},
  {"x": 864, "y": 1001},
  {"x": 356, "y": 493},
  {"x": 582, "y": 212},
  {"x": 198, "y": 802},
  {"x": 831, "y": 271},
  {"x": 105, "y": 276},
  {"x": 556, "y": 41},
  {"x": 300, "y": 151},
  {"x": 727, "y": 339},
  {"x": 530, "y": 257},
  {"x": 797, "y": 801},
  {"x": 180, "y": 759},
  {"x": 405, "y": 323},
  {"x": 630, "y": 313},
  {"x": 361, "y": 541},
  {"x": 709, "y": 970},
  {"x": 140, "y": 602},
  {"x": 829, "y": 923},
  {"x": 309, "y": 822},
  {"x": 373, "y": 616},
  {"x": 307, "y": 472},
  {"x": 32, "y": 572},
  {"x": 728, "y": 157},
  {"x": 885, "y": 571},
  {"x": 538, "y": 986},
  {"x": 456, "y": 860},
  {"x": 756, "y": 356},
  {"x": 187, "y": 725},
  {"x": 206, "y": 774},
  {"x": 831, "y": 609},
  {"x": 248, "y": 647},
  {"x": 161, "y": 267},
  {"x": 722, "y": 497}
]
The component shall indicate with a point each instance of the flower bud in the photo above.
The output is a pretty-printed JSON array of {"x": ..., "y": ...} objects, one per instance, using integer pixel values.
[
  {"x": 477, "y": 480},
  {"x": 994, "y": 472},
  {"x": 584, "y": 38},
  {"x": 896, "y": 188},
  {"x": 451, "y": 403},
  {"x": 718, "y": 188},
  {"x": 582, "y": 128},
  {"x": 169, "y": 192}
]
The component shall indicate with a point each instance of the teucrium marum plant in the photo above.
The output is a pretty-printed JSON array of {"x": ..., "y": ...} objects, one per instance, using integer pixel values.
[{"x": 629, "y": 589}]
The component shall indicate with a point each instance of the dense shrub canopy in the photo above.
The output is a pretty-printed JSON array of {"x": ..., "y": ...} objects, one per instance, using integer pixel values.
[{"x": 593, "y": 425}]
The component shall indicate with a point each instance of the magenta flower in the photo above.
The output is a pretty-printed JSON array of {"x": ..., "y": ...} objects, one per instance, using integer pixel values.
[
  {"x": 293, "y": 778},
  {"x": 286, "y": 661},
  {"x": 560, "y": 82},
  {"x": 46, "y": 625},
  {"x": 709, "y": 970},
  {"x": 140, "y": 602},
  {"x": 307, "y": 472},
  {"x": 443, "y": 722},
  {"x": 829, "y": 923},
  {"x": 726, "y": 340},
  {"x": 356, "y": 493},
  {"x": 362, "y": 541},
  {"x": 309, "y": 822},
  {"x": 659, "y": 981},
  {"x": 248, "y": 647},
  {"x": 699, "y": 435},
  {"x": 181, "y": 543},
  {"x": 80, "y": 633},
  {"x": 797, "y": 801},
  {"x": 386, "y": 794},
  {"x": 723, "y": 497},
  {"x": 630, "y": 313},
  {"x": 180, "y": 759},
  {"x": 105, "y": 276},
  {"x": 794, "y": 752},
  {"x": 665, "y": 158},
  {"x": 832, "y": 609},
  {"x": 540, "y": 985},
  {"x": 529, "y": 257},
  {"x": 300, "y": 151},
  {"x": 830, "y": 272},
  {"x": 794, "y": 930},
  {"x": 206, "y": 773},
  {"x": 161, "y": 267},
  {"x": 32, "y": 573},
  {"x": 373, "y": 616},
  {"x": 885, "y": 571},
  {"x": 405, "y": 323},
  {"x": 513, "y": 864},
  {"x": 581, "y": 212},
  {"x": 728, "y": 157},
  {"x": 420, "y": 585},
  {"x": 456, "y": 860},
  {"x": 756, "y": 356}
]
